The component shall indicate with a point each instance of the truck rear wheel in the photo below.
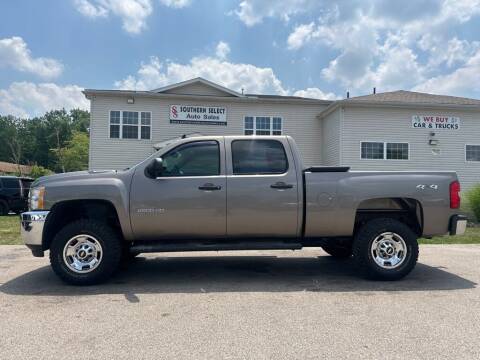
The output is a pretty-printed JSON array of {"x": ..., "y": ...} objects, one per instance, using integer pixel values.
[
  {"x": 85, "y": 252},
  {"x": 338, "y": 251},
  {"x": 385, "y": 249}
]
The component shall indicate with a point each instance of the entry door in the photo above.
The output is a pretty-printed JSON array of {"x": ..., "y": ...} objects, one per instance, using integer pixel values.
[
  {"x": 188, "y": 200},
  {"x": 262, "y": 195}
]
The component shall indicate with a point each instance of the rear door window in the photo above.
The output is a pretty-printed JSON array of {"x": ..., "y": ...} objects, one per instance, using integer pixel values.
[{"x": 252, "y": 157}]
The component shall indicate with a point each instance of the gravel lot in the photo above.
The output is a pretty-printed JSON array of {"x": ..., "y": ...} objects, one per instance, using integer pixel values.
[{"x": 243, "y": 305}]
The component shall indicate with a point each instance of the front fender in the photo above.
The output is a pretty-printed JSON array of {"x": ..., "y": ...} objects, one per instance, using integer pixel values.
[{"x": 112, "y": 190}]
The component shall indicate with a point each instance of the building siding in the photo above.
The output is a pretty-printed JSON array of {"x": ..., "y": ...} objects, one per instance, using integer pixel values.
[
  {"x": 394, "y": 125},
  {"x": 331, "y": 138},
  {"x": 299, "y": 120}
]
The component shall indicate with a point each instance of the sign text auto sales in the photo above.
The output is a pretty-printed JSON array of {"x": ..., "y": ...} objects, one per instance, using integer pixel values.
[
  {"x": 435, "y": 122},
  {"x": 198, "y": 114}
]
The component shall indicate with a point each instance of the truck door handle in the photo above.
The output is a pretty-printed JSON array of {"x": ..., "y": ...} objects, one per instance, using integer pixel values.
[
  {"x": 281, "y": 185},
  {"x": 209, "y": 187}
]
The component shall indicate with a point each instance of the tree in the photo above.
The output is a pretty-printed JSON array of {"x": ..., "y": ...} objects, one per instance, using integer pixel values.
[
  {"x": 75, "y": 154},
  {"x": 42, "y": 140},
  {"x": 38, "y": 171}
]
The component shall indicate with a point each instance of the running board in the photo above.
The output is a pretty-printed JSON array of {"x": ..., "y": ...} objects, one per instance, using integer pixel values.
[{"x": 159, "y": 246}]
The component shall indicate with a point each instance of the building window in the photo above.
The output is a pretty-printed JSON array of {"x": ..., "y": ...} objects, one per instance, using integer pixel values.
[
  {"x": 114, "y": 124},
  {"x": 384, "y": 151},
  {"x": 472, "y": 152},
  {"x": 372, "y": 150},
  {"x": 145, "y": 125},
  {"x": 263, "y": 125},
  {"x": 397, "y": 151},
  {"x": 130, "y": 125}
]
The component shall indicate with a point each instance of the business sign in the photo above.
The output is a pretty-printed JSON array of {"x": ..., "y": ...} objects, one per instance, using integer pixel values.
[
  {"x": 435, "y": 122},
  {"x": 198, "y": 114}
]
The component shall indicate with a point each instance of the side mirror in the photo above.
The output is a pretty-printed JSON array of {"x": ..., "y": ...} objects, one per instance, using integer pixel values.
[{"x": 155, "y": 168}]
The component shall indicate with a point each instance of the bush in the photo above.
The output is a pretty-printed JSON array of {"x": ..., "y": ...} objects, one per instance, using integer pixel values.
[
  {"x": 38, "y": 171},
  {"x": 473, "y": 197}
]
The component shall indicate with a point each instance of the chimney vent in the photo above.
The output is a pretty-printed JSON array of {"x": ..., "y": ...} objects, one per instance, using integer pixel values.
[
  {"x": 348, "y": 94},
  {"x": 374, "y": 91}
]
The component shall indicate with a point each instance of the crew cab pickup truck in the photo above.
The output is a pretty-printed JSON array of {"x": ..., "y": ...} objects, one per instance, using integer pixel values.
[{"x": 236, "y": 193}]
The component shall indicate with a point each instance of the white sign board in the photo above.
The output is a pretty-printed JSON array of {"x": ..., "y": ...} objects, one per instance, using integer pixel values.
[
  {"x": 435, "y": 122},
  {"x": 198, "y": 114}
]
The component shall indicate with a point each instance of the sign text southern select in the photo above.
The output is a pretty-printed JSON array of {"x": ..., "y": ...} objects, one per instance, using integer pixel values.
[{"x": 198, "y": 114}]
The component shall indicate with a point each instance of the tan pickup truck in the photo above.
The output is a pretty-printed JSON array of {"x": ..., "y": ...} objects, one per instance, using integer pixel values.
[{"x": 236, "y": 193}]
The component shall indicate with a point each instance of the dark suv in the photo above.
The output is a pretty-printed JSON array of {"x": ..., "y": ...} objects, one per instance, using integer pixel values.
[{"x": 14, "y": 194}]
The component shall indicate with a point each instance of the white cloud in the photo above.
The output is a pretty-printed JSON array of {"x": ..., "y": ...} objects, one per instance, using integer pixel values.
[
  {"x": 251, "y": 78},
  {"x": 300, "y": 35},
  {"x": 316, "y": 93},
  {"x": 377, "y": 42},
  {"x": 133, "y": 13},
  {"x": 178, "y": 4},
  {"x": 452, "y": 53},
  {"x": 90, "y": 10},
  {"x": 29, "y": 99},
  {"x": 252, "y": 12},
  {"x": 222, "y": 50},
  {"x": 14, "y": 53},
  {"x": 464, "y": 81}
]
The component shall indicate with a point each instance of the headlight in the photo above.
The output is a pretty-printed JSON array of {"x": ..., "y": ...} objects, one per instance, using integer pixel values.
[{"x": 36, "y": 198}]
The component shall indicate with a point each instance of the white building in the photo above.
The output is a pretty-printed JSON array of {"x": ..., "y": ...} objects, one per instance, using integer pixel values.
[{"x": 398, "y": 130}]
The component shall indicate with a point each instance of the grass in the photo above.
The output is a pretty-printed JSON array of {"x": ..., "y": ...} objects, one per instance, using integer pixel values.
[
  {"x": 10, "y": 234},
  {"x": 10, "y": 230}
]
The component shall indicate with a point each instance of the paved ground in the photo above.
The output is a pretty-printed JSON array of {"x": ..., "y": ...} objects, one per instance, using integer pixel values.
[{"x": 243, "y": 305}]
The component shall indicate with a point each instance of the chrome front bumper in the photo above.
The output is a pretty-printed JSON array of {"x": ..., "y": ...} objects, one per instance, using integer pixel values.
[
  {"x": 458, "y": 225},
  {"x": 31, "y": 228}
]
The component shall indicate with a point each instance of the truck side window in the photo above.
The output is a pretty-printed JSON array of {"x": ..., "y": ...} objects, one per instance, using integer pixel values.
[
  {"x": 11, "y": 183},
  {"x": 258, "y": 157},
  {"x": 198, "y": 158}
]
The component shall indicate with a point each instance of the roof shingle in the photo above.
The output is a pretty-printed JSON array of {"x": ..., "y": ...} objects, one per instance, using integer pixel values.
[{"x": 402, "y": 96}]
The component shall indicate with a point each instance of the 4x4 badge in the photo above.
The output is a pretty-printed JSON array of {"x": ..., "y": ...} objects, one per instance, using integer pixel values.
[{"x": 431, "y": 186}]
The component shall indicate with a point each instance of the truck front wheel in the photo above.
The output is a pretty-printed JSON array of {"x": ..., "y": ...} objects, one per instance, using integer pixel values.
[
  {"x": 85, "y": 252},
  {"x": 385, "y": 249}
]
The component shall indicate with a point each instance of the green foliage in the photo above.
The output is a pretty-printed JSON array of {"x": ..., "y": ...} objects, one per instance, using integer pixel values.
[
  {"x": 42, "y": 140},
  {"x": 75, "y": 155},
  {"x": 38, "y": 171},
  {"x": 473, "y": 197}
]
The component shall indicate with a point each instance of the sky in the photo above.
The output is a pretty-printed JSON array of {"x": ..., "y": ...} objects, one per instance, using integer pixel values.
[{"x": 52, "y": 49}]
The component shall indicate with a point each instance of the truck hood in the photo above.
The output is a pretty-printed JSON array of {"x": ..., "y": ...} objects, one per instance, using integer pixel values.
[{"x": 76, "y": 175}]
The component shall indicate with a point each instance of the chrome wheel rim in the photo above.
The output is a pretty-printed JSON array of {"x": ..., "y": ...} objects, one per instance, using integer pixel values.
[
  {"x": 82, "y": 253},
  {"x": 389, "y": 250}
]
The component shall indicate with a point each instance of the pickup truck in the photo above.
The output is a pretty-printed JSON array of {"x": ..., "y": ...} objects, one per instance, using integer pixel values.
[{"x": 236, "y": 193}]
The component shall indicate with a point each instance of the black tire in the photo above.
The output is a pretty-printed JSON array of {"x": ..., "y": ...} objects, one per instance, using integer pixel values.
[
  {"x": 109, "y": 241},
  {"x": 337, "y": 251},
  {"x": 362, "y": 253},
  {"x": 4, "y": 208},
  {"x": 128, "y": 256}
]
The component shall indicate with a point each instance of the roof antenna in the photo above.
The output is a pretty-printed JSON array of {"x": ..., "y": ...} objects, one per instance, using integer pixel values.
[
  {"x": 374, "y": 90},
  {"x": 348, "y": 94}
]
